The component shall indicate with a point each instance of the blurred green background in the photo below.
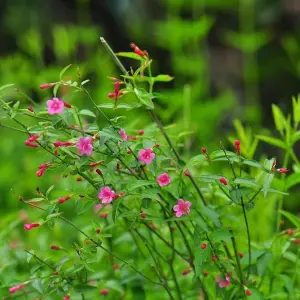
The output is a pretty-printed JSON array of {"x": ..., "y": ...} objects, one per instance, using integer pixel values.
[{"x": 231, "y": 60}]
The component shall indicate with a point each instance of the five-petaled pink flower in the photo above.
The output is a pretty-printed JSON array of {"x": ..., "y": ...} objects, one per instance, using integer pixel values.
[
  {"x": 224, "y": 283},
  {"x": 106, "y": 195},
  {"x": 146, "y": 156},
  {"x": 16, "y": 288},
  {"x": 123, "y": 135},
  {"x": 85, "y": 146},
  {"x": 27, "y": 227},
  {"x": 163, "y": 179},
  {"x": 182, "y": 208},
  {"x": 55, "y": 106}
]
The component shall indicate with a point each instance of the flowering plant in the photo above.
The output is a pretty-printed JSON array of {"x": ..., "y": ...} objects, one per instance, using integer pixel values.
[{"x": 182, "y": 232}]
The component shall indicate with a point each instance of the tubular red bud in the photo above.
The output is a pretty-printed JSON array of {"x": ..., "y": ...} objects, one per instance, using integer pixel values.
[
  {"x": 289, "y": 231},
  {"x": 117, "y": 87},
  {"x": 54, "y": 247},
  {"x": 103, "y": 215},
  {"x": 187, "y": 173},
  {"x": 62, "y": 144},
  {"x": 28, "y": 227},
  {"x": 203, "y": 150},
  {"x": 64, "y": 199},
  {"x": 143, "y": 216},
  {"x": 31, "y": 144},
  {"x": 104, "y": 292},
  {"x": 14, "y": 289},
  {"x": 30, "y": 108},
  {"x": 213, "y": 258},
  {"x": 99, "y": 172},
  {"x": 203, "y": 246},
  {"x": 223, "y": 180},
  {"x": 116, "y": 267},
  {"x": 141, "y": 132},
  {"x": 47, "y": 85},
  {"x": 98, "y": 230},
  {"x": 66, "y": 104},
  {"x": 237, "y": 145},
  {"x": 248, "y": 292},
  {"x": 282, "y": 170},
  {"x": 185, "y": 272}
]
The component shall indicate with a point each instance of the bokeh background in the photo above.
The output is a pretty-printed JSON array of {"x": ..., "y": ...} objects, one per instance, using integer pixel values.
[{"x": 230, "y": 60}]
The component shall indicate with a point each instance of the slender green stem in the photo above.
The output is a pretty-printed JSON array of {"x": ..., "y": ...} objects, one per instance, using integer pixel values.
[
  {"x": 229, "y": 161},
  {"x": 238, "y": 263},
  {"x": 248, "y": 237},
  {"x": 12, "y": 128}
]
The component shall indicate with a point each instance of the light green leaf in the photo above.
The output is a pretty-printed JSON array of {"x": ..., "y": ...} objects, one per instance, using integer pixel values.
[
  {"x": 140, "y": 183},
  {"x": 222, "y": 234},
  {"x": 5, "y": 86},
  {"x": 87, "y": 112},
  {"x": 130, "y": 55},
  {"x": 294, "y": 219},
  {"x": 64, "y": 70},
  {"x": 267, "y": 183},
  {"x": 195, "y": 161},
  {"x": 246, "y": 181},
  {"x": 163, "y": 78},
  {"x": 144, "y": 98},
  {"x": 254, "y": 163},
  {"x": 292, "y": 180},
  {"x": 272, "y": 141},
  {"x": 82, "y": 288}
]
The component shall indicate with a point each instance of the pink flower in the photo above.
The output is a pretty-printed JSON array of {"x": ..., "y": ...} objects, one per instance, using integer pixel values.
[
  {"x": 28, "y": 227},
  {"x": 224, "y": 283},
  {"x": 55, "y": 106},
  {"x": 106, "y": 195},
  {"x": 16, "y": 288},
  {"x": 123, "y": 135},
  {"x": 146, "y": 155},
  {"x": 85, "y": 146},
  {"x": 182, "y": 208},
  {"x": 163, "y": 179}
]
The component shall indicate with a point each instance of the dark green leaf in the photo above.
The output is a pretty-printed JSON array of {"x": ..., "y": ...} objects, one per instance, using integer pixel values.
[
  {"x": 222, "y": 234},
  {"x": 272, "y": 141}
]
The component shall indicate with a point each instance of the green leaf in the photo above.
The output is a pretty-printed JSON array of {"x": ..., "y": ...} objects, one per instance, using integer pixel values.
[
  {"x": 292, "y": 180},
  {"x": 131, "y": 55},
  {"x": 222, "y": 234},
  {"x": 209, "y": 177},
  {"x": 50, "y": 189},
  {"x": 5, "y": 86},
  {"x": 263, "y": 262},
  {"x": 236, "y": 196},
  {"x": 115, "y": 208},
  {"x": 267, "y": 183},
  {"x": 82, "y": 288},
  {"x": 246, "y": 181},
  {"x": 64, "y": 70},
  {"x": 85, "y": 82},
  {"x": 120, "y": 106},
  {"x": 139, "y": 183},
  {"x": 272, "y": 141},
  {"x": 211, "y": 214},
  {"x": 144, "y": 98},
  {"x": 87, "y": 112},
  {"x": 55, "y": 89},
  {"x": 295, "y": 137},
  {"x": 195, "y": 161},
  {"x": 294, "y": 219},
  {"x": 254, "y": 163},
  {"x": 278, "y": 118},
  {"x": 220, "y": 153},
  {"x": 201, "y": 256},
  {"x": 162, "y": 78},
  {"x": 288, "y": 283}
]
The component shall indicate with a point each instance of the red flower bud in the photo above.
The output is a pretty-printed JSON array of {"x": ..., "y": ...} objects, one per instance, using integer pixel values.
[
  {"x": 103, "y": 215},
  {"x": 241, "y": 255},
  {"x": 116, "y": 267},
  {"x": 30, "y": 108},
  {"x": 55, "y": 273},
  {"x": 62, "y": 144},
  {"x": 28, "y": 227},
  {"x": 289, "y": 232},
  {"x": 47, "y": 85},
  {"x": 66, "y": 297},
  {"x": 237, "y": 145},
  {"x": 185, "y": 272},
  {"x": 137, "y": 50},
  {"x": 203, "y": 150},
  {"x": 213, "y": 258},
  {"x": 99, "y": 172},
  {"x": 98, "y": 230},
  {"x": 248, "y": 292},
  {"x": 66, "y": 104},
  {"x": 129, "y": 152},
  {"x": 223, "y": 180},
  {"x": 282, "y": 170},
  {"x": 203, "y": 246},
  {"x": 54, "y": 247},
  {"x": 79, "y": 179},
  {"x": 205, "y": 273},
  {"x": 187, "y": 173},
  {"x": 104, "y": 292},
  {"x": 14, "y": 289},
  {"x": 30, "y": 144},
  {"x": 141, "y": 132},
  {"x": 144, "y": 216}
]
